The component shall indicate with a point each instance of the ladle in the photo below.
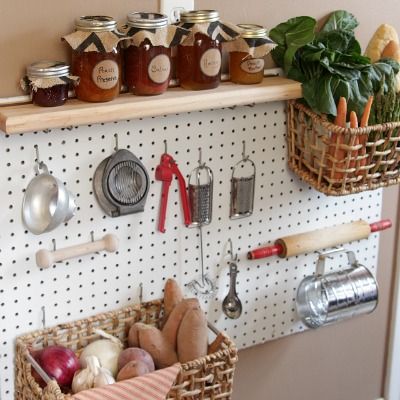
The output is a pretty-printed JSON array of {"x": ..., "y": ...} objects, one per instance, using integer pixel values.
[{"x": 231, "y": 305}]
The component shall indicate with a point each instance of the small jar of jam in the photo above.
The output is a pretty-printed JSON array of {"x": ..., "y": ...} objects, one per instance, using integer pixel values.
[
  {"x": 48, "y": 83},
  {"x": 147, "y": 67},
  {"x": 199, "y": 62},
  {"x": 246, "y": 62},
  {"x": 96, "y": 58}
]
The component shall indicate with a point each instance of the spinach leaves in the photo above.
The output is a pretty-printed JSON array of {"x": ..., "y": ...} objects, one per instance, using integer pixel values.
[{"x": 329, "y": 63}]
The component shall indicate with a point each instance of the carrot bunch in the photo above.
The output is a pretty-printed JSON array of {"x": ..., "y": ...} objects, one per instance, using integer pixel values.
[{"x": 337, "y": 140}]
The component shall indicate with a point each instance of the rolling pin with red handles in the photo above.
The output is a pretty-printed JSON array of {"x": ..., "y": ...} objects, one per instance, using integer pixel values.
[{"x": 319, "y": 239}]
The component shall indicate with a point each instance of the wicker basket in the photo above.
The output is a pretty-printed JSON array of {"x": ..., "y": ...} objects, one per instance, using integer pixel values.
[
  {"x": 209, "y": 377},
  {"x": 339, "y": 161}
]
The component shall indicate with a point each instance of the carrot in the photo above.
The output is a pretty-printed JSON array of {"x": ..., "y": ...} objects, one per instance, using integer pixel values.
[
  {"x": 338, "y": 139},
  {"x": 363, "y": 138},
  {"x": 354, "y": 141}
]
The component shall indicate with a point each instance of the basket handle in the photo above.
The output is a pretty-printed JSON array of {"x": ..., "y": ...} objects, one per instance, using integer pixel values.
[{"x": 42, "y": 373}]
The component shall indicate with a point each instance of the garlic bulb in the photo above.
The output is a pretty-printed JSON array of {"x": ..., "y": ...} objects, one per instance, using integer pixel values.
[
  {"x": 104, "y": 377},
  {"x": 84, "y": 379}
]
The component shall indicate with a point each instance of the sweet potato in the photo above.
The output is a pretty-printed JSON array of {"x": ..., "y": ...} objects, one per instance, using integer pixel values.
[
  {"x": 171, "y": 327},
  {"x": 154, "y": 342},
  {"x": 192, "y": 336},
  {"x": 133, "y": 335},
  {"x": 172, "y": 296},
  {"x": 132, "y": 369},
  {"x": 135, "y": 354}
]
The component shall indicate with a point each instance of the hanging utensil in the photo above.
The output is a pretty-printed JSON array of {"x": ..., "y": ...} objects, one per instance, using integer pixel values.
[
  {"x": 200, "y": 188},
  {"x": 242, "y": 188},
  {"x": 47, "y": 203},
  {"x": 121, "y": 183},
  {"x": 326, "y": 298},
  {"x": 231, "y": 305}
]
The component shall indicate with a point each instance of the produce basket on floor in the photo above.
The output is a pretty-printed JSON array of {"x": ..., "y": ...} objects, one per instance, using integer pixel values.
[
  {"x": 209, "y": 377},
  {"x": 339, "y": 161}
]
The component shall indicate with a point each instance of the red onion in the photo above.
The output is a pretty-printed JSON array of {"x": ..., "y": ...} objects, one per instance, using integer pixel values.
[{"x": 59, "y": 363}]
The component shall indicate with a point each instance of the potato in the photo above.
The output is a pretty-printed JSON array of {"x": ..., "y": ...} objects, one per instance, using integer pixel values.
[
  {"x": 132, "y": 369},
  {"x": 135, "y": 354}
]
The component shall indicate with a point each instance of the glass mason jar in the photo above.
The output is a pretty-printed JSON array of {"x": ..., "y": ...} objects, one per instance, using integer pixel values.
[
  {"x": 199, "y": 65},
  {"x": 147, "y": 68},
  {"x": 99, "y": 71},
  {"x": 244, "y": 68},
  {"x": 49, "y": 93}
]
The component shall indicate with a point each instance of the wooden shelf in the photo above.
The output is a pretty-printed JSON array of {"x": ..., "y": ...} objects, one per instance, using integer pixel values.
[{"x": 28, "y": 117}]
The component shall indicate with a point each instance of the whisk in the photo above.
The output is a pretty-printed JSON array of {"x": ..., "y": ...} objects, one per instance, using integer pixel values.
[{"x": 200, "y": 201}]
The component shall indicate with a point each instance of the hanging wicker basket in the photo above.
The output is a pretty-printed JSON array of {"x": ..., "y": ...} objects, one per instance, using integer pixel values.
[
  {"x": 209, "y": 377},
  {"x": 339, "y": 161}
]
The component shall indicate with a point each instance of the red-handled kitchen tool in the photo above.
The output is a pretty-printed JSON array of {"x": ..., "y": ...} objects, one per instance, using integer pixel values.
[
  {"x": 319, "y": 239},
  {"x": 164, "y": 173}
]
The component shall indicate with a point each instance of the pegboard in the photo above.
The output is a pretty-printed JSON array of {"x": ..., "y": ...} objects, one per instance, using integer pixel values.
[{"x": 100, "y": 282}]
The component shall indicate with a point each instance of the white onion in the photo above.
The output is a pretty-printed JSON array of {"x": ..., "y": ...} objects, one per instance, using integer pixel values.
[{"x": 106, "y": 350}]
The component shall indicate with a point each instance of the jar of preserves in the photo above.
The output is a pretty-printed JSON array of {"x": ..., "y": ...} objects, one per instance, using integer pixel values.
[
  {"x": 246, "y": 56},
  {"x": 96, "y": 58},
  {"x": 199, "y": 56},
  {"x": 147, "y": 55},
  {"x": 48, "y": 83}
]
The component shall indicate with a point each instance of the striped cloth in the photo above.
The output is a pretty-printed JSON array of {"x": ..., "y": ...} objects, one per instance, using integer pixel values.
[{"x": 153, "y": 386}]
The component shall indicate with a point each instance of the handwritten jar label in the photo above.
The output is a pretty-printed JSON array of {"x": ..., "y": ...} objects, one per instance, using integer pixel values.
[
  {"x": 210, "y": 62},
  {"x": 253, "y": 65},
  {"x": 105, "y": 74},
  {"x": 159, "y": 68}
]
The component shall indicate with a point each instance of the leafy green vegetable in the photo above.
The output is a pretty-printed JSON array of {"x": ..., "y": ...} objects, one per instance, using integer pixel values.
[
  {"x": 340, "y": 20},
  {"x": 329, "y": 63},
  {"x": 292, "y": 35}
]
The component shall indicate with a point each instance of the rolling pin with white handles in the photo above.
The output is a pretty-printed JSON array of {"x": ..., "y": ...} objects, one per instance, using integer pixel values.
[
  {"x": 319, "y": 239},
  {"x": 46, "y": 258}
]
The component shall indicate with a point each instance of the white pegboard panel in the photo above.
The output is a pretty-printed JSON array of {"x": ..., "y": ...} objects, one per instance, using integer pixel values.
[{"x": 100, "y": 282}]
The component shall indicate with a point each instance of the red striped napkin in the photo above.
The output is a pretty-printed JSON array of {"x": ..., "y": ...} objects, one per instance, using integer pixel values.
[{"x": 153, "y": 386}]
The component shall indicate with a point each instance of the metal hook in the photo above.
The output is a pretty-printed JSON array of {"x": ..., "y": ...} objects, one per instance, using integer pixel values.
[
  {"x": 140, "y": 293},
  {"x": 44, "y": 317},
  {"x": 116, "y": 141},
  {"x": 165, "y": 146},
  {"x": 201, "y": 164},
  {"x": 233, "y": 258},
  {"x": 92, "y": 239},
  {"x": 244, "y": 157},
  {"x": 37, "y": 154}
]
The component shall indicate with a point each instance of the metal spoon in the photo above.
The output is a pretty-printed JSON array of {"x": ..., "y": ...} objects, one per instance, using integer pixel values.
[{"x": 232, "y": 306}]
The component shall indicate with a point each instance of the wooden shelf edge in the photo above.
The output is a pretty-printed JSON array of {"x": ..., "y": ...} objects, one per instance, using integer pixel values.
[{"x": 28, "y": 117}]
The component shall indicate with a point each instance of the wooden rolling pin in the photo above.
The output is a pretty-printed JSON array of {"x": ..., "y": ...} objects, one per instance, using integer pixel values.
[
  {"x": 319, "y": 239},
  {"x": 46, "y": 258}
]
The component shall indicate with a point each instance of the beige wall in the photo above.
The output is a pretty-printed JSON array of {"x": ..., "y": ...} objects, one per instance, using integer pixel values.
[
  {"x": 341, "y": 362},
  {"x": 31, "y": 30}
]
